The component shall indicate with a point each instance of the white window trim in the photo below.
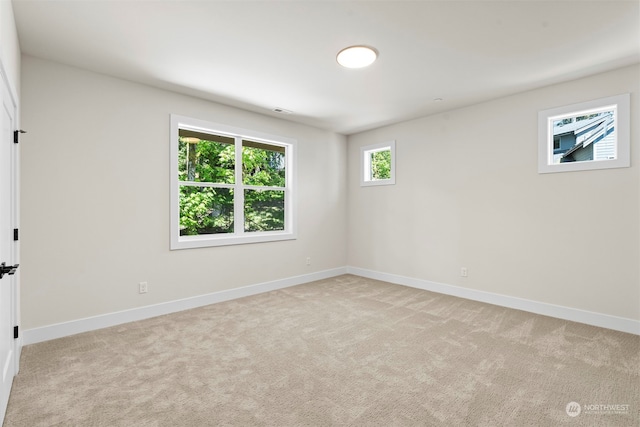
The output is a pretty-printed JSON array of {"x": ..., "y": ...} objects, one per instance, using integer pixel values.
[
  {"x": 619, "y": 103},
  {"x": 240, "y": 236},
  {"x": 365, "y": 164}
]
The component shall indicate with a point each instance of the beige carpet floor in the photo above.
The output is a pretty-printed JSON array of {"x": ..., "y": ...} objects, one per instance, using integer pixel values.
[{"x": 342, "y": 351}]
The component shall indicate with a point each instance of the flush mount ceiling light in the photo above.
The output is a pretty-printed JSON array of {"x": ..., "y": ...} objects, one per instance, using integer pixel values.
[{"x": 357, "y": 56}]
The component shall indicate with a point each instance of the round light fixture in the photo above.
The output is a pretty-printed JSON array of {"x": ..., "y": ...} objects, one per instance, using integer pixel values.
[{"x": 357, "y": 56}]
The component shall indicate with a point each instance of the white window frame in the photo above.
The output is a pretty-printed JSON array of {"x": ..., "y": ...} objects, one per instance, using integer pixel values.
[
  {"x": 620, "y": 104},
  {"x": 365, "y": 164},
  {"x": 239, "y": 236}
]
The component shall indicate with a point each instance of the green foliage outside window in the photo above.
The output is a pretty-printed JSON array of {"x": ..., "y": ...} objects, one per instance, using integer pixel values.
[
  {"x": 206, "y": 161},
  {"x": 205, "y": 210},
  {"x": 381, "y": 165},
  {"x": 209, "y": 210},
  {"x": 263, "y": 210}
]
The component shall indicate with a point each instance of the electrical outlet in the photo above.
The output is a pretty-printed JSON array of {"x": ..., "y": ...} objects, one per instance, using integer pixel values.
[
  {"x": 464, "y": 272},
  {"x": 143, "y": 287},
  {"x": 308, "y": 260}
]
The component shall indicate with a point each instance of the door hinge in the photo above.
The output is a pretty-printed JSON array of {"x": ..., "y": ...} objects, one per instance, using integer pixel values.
[
  {"x": 16, "y": 135},
  {"x": 15, "y": 234},
  {"x": 16, "y": 332}
]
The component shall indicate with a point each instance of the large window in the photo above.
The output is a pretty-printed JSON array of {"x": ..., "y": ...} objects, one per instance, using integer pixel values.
[{"x": 229, "y": 185}]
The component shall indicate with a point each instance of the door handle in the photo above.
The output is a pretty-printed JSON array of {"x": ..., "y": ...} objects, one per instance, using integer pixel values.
[{"x": 8, "y": 269}]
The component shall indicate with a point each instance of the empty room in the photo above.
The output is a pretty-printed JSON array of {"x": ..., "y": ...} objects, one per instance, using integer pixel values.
[{"x": 320, "y": 213}]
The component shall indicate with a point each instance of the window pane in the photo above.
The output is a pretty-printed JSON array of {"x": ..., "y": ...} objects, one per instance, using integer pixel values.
[
  {"x": 584, "y": 137},
  {"x": 205, "y": 157},
  {"x": 205, "y": 210},
  {"x": 380, "y": 165},
  {"x": 263, "y": 164},
  {"x": 263, "y": 210}
]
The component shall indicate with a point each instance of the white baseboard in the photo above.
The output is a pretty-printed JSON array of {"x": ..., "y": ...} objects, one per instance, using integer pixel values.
[
  {"x": 59, "y": 330},
  {"x": 567, "y": 313}
]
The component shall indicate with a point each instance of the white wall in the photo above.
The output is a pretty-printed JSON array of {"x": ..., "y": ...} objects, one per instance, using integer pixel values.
[
  {"x": 468, "y": 194},
  {"x": 95, "y": 199},
  {"x": 95, "y": 202}
]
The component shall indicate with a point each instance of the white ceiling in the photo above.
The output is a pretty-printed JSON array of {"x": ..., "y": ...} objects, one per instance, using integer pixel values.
[{"x": 259, "y": 55}]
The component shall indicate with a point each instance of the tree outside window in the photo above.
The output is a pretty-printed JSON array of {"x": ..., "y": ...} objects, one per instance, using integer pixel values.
[
  {"x": 378, "y": 164},
  {"x": 230, "y": 187}
]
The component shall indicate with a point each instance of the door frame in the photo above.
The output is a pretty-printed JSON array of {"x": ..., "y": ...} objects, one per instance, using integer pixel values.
[{"x": 8, "y": 97}]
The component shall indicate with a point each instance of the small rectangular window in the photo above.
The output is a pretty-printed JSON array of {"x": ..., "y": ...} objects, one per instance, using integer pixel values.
[
  {"x": 229, "y": 185},
  {"x": 377, "y": 164},
  {"x": 585, "y": 136}
]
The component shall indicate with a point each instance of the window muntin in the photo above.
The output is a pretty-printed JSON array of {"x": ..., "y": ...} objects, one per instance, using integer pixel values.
[
  {"x": 378, "y": 164},
  {"x": 216, "y": 200}
]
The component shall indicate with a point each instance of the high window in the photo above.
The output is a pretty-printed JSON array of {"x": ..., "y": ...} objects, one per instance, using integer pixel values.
[
  {"x": 229, "y": 185},
  {"x": 585, "y": 136},
  {"x": 377, "y": 164}
]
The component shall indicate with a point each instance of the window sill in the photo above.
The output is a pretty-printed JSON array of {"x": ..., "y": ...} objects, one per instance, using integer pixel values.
[
  {"x": 378, "y": 182},
  {"x": 204, "y": 241}
]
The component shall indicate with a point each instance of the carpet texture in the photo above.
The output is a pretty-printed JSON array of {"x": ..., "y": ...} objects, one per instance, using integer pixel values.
[{"x": 341, "y": 351}]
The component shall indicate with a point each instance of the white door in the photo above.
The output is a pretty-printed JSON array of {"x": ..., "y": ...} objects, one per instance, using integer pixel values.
[{"x": 8, "y": 252}]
